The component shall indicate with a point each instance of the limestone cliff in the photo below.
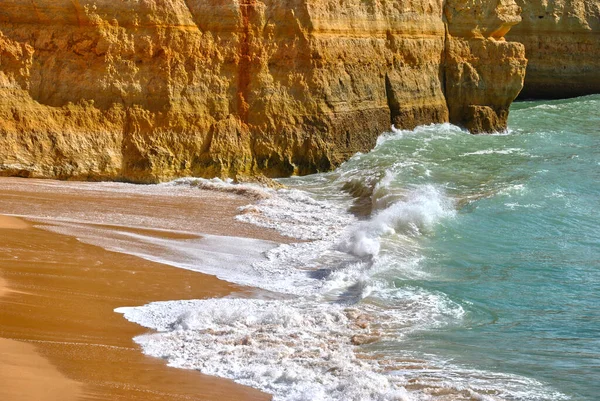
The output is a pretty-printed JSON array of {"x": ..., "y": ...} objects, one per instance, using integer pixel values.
[
  {"x": 562, "y": 42},
  {"x": 484, "y": 73},
  {"x": 149, "y": 90}
]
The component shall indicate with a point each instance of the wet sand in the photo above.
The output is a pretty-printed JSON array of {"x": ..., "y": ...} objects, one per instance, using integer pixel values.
[
  {"x": 24, "y": 374},
  {"x": 59, "y": 332},
  {"x": 179, "y": 208},
  {"x": 3, "y": 287},
  {"x": 11, "y": 223}
]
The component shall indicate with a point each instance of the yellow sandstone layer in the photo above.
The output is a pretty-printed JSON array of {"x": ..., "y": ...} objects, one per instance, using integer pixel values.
[
  {"x": 562, "y": 42},
  {"x": 155, "y": 89}
]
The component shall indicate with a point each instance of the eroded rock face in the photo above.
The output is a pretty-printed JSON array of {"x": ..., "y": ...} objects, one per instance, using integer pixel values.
[
  {"x": 562, "y": 42},
  {"x": 155, "y": 89},
  {"x": 484, "y": 73}
]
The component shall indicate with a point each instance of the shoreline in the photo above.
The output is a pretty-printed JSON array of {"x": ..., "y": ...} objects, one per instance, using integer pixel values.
[{"x": 59, "y": 295}]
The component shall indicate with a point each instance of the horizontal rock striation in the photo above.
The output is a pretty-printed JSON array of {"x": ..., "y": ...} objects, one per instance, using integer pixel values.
[
  {"x": 150, "y": 90},
  {"x": 562, "y": 42}
]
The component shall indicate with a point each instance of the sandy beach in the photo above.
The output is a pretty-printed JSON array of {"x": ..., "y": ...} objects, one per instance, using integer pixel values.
[
  {"x": 20, "y": 364},
  {"x": 60, "y": 338}
]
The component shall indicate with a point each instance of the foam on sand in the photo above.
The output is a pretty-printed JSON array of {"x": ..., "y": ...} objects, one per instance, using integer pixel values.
[{"x": 303, "y": 350}]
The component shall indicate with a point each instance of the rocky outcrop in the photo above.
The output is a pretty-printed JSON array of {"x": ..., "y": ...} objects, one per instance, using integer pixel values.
[
  {"x": 154, "y": 89},
  {"x": 562, "y": 42},
  {"x": 484, "y": 73}
]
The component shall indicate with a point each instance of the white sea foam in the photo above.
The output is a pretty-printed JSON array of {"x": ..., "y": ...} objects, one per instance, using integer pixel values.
[
  {"x": 516, "y": 205},
  {"x": 251, "y": 190},
  {"x": 513, "y": 189},
  {"x": 439, "y": 131},
  {"x": 296, "y": 350},
  {"x": 304, "y": 350},
  {"x": 343, "y": 256},
  {"x": 296, "y": 214},
  {"x": 507, "y": 151},
  {"x": 545, "y": 107}
]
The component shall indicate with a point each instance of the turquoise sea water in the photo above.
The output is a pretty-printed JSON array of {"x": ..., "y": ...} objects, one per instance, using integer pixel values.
[
  {"x": 519, "y": 250},
  {"x": 525, "y": 258}
]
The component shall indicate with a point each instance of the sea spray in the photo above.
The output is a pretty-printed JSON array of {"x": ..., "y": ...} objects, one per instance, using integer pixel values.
[{"x": 422, "y": 207}]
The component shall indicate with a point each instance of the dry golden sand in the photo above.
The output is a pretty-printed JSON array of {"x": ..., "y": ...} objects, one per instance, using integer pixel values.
[{"x": 60, "y": 336}]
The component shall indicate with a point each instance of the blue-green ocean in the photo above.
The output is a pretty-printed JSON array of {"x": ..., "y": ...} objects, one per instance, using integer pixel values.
[
  {"x": 523, "y": 253},
  {"x": 518, "y": 249}
]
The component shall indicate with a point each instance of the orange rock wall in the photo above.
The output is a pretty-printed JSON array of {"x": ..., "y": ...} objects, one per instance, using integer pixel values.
[
  {"x": 155, "y": 89},
  {"x": 562, "y": 42}
]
